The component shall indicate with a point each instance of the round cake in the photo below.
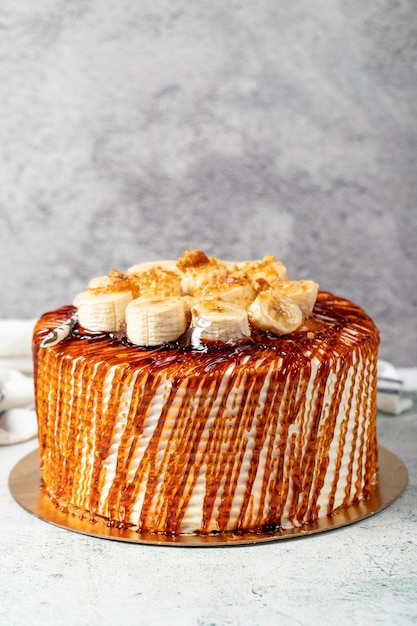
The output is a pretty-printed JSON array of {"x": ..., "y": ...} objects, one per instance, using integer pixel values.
[{"x": 203, "y": 396}]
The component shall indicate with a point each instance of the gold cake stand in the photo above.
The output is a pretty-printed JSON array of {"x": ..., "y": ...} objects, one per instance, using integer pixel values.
[{"x": 25, "y": 481}]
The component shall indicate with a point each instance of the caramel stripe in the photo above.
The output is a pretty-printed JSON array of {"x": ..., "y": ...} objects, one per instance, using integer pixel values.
[
  {"x": 325, "y": 438},
  {"x": 281, "y": 405},
  {"x": 342, "y": 437},
  {"x": 193, "y": 457},
  {"x": 219, "y": 459},
  {"x": 235, "y": 457}
]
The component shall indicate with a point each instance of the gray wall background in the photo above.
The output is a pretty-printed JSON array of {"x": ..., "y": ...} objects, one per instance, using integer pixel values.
[{"x": 132, "y": 131}]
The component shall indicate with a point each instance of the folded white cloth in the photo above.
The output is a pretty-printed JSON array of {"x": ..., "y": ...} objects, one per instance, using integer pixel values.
[
  {"x": 16, "y": 344},
  {"x": 390, "y": 384},
  {"x": 17, "y": 412},
  {"x": 16, "y": 389},
  {"x": 17, "y": 425}
]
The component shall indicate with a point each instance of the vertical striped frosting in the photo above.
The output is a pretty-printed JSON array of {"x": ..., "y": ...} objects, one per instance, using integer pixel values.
[{"x": 268, "y": 433}]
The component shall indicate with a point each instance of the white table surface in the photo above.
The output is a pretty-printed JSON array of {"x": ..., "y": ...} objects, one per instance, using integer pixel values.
[{"x": 365, "y": 573}]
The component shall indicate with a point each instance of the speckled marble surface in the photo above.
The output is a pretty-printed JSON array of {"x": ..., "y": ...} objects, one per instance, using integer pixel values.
[
  {"x": 361, "y": 574},
  {"x": 131, "y": 131}
]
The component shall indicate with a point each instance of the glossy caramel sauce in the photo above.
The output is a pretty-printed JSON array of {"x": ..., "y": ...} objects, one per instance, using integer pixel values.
[{"x": 255, "y": 435}]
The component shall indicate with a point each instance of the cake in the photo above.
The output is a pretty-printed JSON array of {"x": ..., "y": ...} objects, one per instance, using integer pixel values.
[{"x": 199, "y": 396}]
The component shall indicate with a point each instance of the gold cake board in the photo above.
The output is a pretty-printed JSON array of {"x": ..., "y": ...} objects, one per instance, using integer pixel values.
[{"x": 25, "y": 480}]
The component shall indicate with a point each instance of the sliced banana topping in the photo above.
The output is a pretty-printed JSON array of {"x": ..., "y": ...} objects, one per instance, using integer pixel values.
[
  {"x": 167, "y": 264},
  {"x": 267, "y": 269},
  {"x": 100, "y": 282},
  {"x": 235, "y": 289},
  {"x": 155, "y": 321},
  {"x": 274, "y": 312},
  {"x": 220, "y": 300},
  {"x": 198, "y": 270},
  {"x": 102, "y": 311},
  {"x": 218, "y": 321},
  {"x": 303, "y": 292},
  {"x": 154, "y": 282}
]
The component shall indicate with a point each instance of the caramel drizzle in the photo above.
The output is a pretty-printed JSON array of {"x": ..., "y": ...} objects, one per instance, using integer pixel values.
[{"x": 201, "y": 435}]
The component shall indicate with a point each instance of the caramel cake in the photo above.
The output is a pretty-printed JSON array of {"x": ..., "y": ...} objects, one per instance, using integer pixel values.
[{"x": 202, "y": 396}]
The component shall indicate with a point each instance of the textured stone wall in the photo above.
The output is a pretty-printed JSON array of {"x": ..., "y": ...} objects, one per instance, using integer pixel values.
[{"x": 134, "y": 130}]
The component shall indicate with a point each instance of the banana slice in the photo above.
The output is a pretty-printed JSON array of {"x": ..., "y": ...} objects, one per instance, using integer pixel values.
[
  {"x": 235, "y": 289},
  {"x": 155, "y": 321},
  {"x": 198, "y": 270},
  {"x": 267, "y": 269},
  {"x": 303, "y": 292},
  {"x": 102, "y": 311},
  {"x": 167, "y": 264},
  {"x": 274, "y": 312},
  {"x": 100, "y": 282},
  {"x": 155, "y": 282},
  {"x": 218, "y": 321}
]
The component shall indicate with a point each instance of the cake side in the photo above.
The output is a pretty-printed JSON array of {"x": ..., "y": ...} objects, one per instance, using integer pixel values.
[{"x": 268, "y": 432}]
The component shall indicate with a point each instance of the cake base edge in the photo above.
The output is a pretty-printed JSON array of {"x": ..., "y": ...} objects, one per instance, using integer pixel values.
[{"x": 25, "y": 487}]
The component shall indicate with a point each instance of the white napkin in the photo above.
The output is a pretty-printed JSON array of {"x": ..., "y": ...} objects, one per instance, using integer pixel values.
[
  {"x": 16, "y": 344},
  {"x": 390, "y": 385},
  {"x": 17, "y": 412}
]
